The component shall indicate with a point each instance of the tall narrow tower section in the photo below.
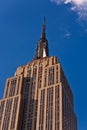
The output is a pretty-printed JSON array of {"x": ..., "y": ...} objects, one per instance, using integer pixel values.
[{"x": 38, "y": 96}]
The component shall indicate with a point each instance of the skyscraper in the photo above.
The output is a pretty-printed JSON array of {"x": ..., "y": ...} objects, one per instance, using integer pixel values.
[{"x": 38, "y": 96}]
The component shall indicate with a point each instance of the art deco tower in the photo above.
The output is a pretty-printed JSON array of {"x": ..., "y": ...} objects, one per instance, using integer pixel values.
[{"x": 38, "y": 96}]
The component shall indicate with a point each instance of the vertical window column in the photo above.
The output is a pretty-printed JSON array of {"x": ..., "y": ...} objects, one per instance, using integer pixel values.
[
  {"x": 56, "y": 107},
  {"x": 40, "y": 69},
  {"x": 45, "y": 78},
  {"x": 2, "y": 103},
  {"x": 51, "y": 75},
  {"x": 57, "y": 74},
  {"x": 7, "y": 114},
  {"x": 12, "y": 87},
  {"x": 49, "y": 109},
  {"x": 14, "y": 112},
  {"x": 7, "y": 88},
  {"x": 41, "y": 120}
]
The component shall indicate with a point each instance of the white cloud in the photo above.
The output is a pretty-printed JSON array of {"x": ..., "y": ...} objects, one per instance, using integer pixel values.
[
  {"x": 77, "y": 2},
  {"x": 67, "y": 35},
  {"x": 79, "y": 6}
]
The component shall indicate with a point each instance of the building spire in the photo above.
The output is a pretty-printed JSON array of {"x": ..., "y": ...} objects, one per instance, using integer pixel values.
[
  {"x": 42, "y": 46},
  {"x": 44, "y": 29}
]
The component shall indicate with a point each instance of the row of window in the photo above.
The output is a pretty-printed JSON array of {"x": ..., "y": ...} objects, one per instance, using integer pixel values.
[
  {"x": 7, "y": 113},
  {"x": 49, "y": 109},
  {"x": 11, "y": 89},
  {"x": 49, "y": 75}
]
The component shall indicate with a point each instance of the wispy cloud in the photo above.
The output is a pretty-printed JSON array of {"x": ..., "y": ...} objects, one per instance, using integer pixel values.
[
  {"x": 67, "y": 35},
  {"x": 79, "y": 6}
]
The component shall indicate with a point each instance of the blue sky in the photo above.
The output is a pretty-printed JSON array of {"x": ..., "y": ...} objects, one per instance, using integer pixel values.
[{"x": 20, "y": 30}]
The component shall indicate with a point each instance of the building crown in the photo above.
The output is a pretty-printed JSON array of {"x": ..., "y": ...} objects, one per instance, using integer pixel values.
[{"x": 42, "y": 46}]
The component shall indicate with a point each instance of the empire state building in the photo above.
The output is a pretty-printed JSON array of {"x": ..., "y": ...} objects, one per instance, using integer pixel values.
[{"x": 38, "y": 96}]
